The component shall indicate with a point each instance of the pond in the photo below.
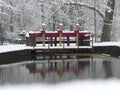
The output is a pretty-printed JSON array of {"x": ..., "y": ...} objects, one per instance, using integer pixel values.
[{"x": 60, "y": 68}]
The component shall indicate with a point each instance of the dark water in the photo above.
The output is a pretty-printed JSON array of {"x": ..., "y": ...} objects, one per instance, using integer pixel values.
[{"x": 57, "y": 69}]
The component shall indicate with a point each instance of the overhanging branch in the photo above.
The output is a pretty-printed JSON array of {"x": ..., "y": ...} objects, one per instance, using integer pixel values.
[{"x": 79, "y": 4}]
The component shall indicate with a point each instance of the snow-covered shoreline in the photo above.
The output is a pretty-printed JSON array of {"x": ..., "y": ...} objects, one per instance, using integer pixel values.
[
  {"x": 77, "y": 85},
  {"x": 18, "y": 47},
  {"x": 107, "y": 44},
  {"x": 13, "y": 47},
  {"x": 86, "y": 85}
]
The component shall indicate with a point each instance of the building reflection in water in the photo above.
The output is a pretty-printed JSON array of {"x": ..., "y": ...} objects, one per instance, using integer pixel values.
[{"x": 59, "y": 66}]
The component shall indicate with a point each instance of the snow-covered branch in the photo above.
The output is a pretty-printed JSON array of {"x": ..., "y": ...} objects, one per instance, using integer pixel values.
[
  {"x": 89, "y": 7},
  {"x": 4, "y": 13},
  {"x": 5, "y": 5},
  {"x": 81, "y": 5}
]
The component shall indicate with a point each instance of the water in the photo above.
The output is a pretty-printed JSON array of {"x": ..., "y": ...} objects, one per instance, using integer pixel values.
[{"x": 58, "y": 69}]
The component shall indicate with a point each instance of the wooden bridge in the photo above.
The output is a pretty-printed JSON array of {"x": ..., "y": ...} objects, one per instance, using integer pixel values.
[{"x": 61, "y": 40}]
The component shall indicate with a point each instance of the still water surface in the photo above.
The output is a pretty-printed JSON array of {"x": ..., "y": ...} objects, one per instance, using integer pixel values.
[{"x": 56, "y": 69}]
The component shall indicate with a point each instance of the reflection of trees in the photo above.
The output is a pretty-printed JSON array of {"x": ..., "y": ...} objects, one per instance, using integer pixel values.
[
  {"x": 1, "y": 78},
  {"x": 107, "y": 68},
  {"x": 10, "y": 75},
  {"x": 77, "y": 68},
  {"x": 31, "y": 67}
]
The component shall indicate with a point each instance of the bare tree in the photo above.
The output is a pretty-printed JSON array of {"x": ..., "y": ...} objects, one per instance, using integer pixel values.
[
  {"x": 1, "y": 27},
  {"x": 106, "y": 34}
]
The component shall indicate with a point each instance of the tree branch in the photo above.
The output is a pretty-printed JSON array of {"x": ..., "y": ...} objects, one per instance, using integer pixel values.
[{"x": 79, "y": 4}]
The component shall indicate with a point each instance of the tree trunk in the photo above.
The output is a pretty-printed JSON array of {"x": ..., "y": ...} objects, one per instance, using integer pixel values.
[
  {"x": 1, "y": 35},
  {"x": 11, "y": 20},
  {"x": 106, "y": 34},
  {"x": 1, "y": 29},
  {"x": 54, "y": 21}
]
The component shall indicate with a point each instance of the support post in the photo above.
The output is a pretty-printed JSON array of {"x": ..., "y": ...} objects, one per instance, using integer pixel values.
[
  {"x": 60, "y": 34},
  {"x": 77, "y": 38},
  {"x": 55, "y": 41},
  {"x": 43, "y": 34},
  {"x": 68, "y": 41},
  {"x": 60, "y": 38},
  {"x": 51, "y": 41},
  {"x": 43, "y": 39}
]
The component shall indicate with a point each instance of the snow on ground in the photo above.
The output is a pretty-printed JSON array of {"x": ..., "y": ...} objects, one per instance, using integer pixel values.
[
  {"x": 13, "y": 47},
  {"x": 17, "y": 47},
  {"x": 107, "y": 44},
  {"x": 78, "y": 85}
]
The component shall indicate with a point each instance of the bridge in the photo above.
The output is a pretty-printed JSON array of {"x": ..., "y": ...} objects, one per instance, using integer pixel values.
[{"x": 61, "y": 40}]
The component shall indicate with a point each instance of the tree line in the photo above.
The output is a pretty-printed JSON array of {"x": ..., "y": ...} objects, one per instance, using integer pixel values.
[{"x": 28, "y": 15}]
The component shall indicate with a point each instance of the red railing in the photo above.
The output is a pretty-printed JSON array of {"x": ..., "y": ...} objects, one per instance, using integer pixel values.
[{"x": 85, "y": 38}]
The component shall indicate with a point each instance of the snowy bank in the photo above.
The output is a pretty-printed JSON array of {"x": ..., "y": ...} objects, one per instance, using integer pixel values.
[
  {"x": 78, "y": 85},
  {"x": 107, "y": 44},
  {"x": 17, "y": 47},
  {"x": 13, "y": 47}
]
